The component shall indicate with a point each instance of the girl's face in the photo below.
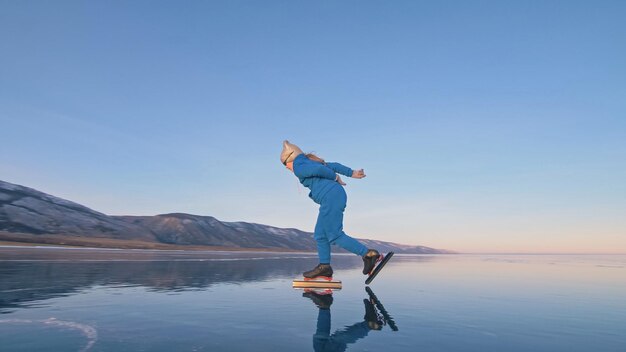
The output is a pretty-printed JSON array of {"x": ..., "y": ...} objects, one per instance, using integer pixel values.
[{"x": 289, "y": 165}]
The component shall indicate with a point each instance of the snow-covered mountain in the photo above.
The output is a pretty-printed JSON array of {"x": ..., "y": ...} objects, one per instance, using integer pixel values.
[{"x": 27, "y": 214}]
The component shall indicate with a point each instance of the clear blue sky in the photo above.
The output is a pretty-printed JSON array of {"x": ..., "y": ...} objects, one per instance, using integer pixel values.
[{"x": 482, "y": 126}]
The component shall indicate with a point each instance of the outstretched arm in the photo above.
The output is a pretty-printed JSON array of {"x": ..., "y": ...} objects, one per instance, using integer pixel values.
[
  {"x": 340, "y": 169},
  {"x": 346, "y": 171}
]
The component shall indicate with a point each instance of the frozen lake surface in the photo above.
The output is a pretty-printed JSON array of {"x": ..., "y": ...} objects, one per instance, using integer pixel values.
[{"x": 140, "y": 300}]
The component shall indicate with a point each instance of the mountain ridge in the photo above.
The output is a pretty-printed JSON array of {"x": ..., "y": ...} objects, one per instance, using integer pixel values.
[{"x": 33, "y": 214}]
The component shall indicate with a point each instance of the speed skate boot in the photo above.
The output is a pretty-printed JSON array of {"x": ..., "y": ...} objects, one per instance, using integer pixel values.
[
  {"x": 370, "y": 259},
  {"x": 320, "y": 272}
]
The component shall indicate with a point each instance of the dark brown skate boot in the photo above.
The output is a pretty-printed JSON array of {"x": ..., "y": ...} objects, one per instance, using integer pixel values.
[
  {"x": 321, "y": 271},
  {"x": 369, "y": 261}
]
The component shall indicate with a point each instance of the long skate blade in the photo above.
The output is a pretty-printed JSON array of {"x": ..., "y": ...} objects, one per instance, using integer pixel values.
[
  {"x": 379, "y": 268},
  {"x": 317, "y": 284}
]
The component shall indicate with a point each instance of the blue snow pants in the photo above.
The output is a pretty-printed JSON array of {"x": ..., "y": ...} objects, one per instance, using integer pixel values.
[{"x": 329, "y": 227}]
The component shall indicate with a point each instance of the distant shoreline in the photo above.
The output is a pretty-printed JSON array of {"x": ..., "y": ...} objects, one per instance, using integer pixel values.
[
  {"x": 17, "y": 245},
  {"x": 181, "y": 248},
  {"x": 66, "y": 242}
]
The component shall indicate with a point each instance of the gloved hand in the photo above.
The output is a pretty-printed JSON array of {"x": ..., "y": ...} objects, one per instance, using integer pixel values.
[{"x": 358, "y": 173}]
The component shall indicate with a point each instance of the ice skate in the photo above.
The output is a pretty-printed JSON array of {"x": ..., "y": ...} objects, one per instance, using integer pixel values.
[
  {"x": 319, "y": 277},
  {"x": 373, "y": 263}
]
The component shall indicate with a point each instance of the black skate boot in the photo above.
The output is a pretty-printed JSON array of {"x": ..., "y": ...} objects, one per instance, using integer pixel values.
[
  {"x": 321, "y": 271},
  {"x": 369, "y": 261}
]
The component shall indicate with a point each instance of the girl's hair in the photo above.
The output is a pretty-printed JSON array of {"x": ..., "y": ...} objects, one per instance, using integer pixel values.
[{"x": 314, "y": 157}]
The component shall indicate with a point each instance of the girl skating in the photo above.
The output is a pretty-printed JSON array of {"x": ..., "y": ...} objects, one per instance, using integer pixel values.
[{"x": 326, "y": 186}]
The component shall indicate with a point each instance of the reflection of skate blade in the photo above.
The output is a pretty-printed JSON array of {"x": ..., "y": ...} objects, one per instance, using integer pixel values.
[
  {"x": 317, "y": 283},
  {"x": 387, "y": 319},
  {"x": 319, "y": 291}
]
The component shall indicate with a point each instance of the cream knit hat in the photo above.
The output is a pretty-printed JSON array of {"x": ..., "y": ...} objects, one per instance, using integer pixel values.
[{"x": 289, "y": 153}]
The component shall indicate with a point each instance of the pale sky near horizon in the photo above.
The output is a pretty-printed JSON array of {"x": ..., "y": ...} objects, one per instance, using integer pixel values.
[{"x": 482, "y": 126}]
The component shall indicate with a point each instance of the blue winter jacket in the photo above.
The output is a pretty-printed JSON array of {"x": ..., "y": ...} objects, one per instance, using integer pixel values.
[{"x": 317, "y": 177}]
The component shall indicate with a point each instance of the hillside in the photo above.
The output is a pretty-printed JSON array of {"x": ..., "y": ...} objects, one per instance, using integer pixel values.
[{"x": 28, "y": 215}]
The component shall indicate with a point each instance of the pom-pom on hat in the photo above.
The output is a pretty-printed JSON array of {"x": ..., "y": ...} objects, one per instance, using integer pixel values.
[{"x": 289, "y": 153}]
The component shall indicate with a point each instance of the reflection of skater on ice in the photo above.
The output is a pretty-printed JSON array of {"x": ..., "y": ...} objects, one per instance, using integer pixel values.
[
  {"x": 326, "y": 186},
  {"x": 375, "y": 318}
]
